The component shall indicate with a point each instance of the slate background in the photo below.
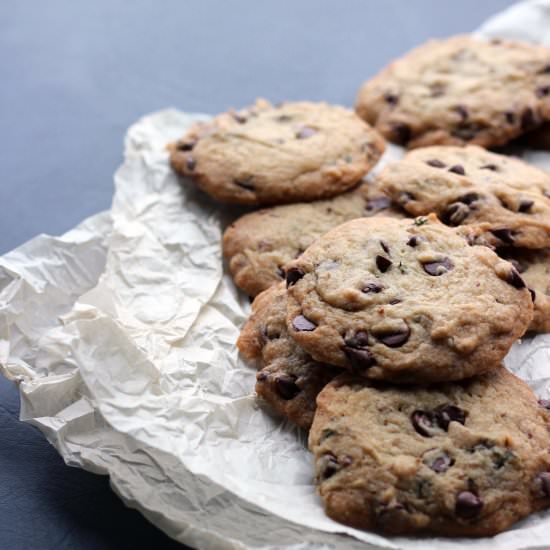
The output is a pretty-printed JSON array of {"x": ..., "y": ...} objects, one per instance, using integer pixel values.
[{"x": 73, "y": 76}]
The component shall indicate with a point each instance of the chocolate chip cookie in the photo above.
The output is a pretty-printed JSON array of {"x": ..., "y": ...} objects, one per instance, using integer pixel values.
[
  {"x": 259, "y": 244},
  {"x": 505, "y": 200},
  {"x": 534, "y": 266},
  {"x": 405, "y": 300},
  {"x": 460, "y": 90},
  {"x": 289, "y": 379},
  {"x": 274, "y": 155},
  {"x": 457, "y": 459}
]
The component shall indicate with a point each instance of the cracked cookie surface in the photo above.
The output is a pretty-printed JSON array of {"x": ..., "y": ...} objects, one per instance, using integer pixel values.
[
  {"x": 505, "y": 201},
  {"x": 457, "y": 459},
  {"x": 258, "y": 245},
  {"x": 273, "y": 155},
  {"x": 288, "y": 379},
  {"x": 460, "y": 90},
  {"x": 405, "y": 300}
]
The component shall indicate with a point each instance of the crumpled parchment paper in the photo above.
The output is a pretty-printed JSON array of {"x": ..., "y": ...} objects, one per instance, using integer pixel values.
[{"x": 121, "y": 334}]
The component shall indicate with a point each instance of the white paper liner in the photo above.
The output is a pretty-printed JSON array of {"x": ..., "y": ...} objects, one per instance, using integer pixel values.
[{"x": 122, "y": 335}]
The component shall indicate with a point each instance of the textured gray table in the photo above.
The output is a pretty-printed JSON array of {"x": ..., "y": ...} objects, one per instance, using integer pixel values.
[{"x": 73, "y": 76}]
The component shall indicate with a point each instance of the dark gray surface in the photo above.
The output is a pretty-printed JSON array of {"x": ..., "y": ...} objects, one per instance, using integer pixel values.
[{"x": 73, "y": 76}]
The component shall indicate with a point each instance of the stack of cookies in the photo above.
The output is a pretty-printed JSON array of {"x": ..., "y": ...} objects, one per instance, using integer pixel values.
[{"x": 385, "y": 305}]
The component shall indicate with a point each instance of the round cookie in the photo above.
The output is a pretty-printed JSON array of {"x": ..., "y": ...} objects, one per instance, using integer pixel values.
[
  {"x": 534, "y": 266},
  {"x": 274, "y": 155},
  {"x": 457, "y": 459},
  {"x": 259, "y": 244},
  {"x": 460, "y": 90},
  {"x": 288, "y": 379},
  {"x": 405, "y": 300},
  {"x": 505, "y": 201}
]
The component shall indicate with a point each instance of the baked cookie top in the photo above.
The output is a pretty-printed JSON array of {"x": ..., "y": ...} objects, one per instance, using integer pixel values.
[
  {"x": 273, "y": 155},
  {"x": 457, "y": 459},
  {"x": 534, "y": 267},
  {"x": 460, "y": 90},
  {"x": 288, "y": 379},
  {"x": 258, "y": 245},
  {"x": 405, "y": 300},
  {"x": 505, "y": 200}
]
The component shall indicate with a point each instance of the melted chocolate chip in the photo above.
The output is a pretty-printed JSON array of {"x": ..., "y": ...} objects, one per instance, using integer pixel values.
[
  {"x": 424, "y": 422},
  {"x": 528, "y": 119},
  {"x": 359, "y": 340},
  {"x": 293, "y": 275},
  {"x": 462, "y": 111},
  {"x": 394, "y": 339},
  {"x": 301, "y": 323},
  {"x": 305, "y": 132},
  {"x": 390, "y": 98},
  {"x": 438, "y": 268},
  {"x": 190, "y": 163},
  {"x": 510, "y": 117},
  {"x": 544, "y": 479},
  {"x": 504, "y": 234},
  {"x": 543, "y": 91},
  {"x": 286, "y": 386},
  {"x": 439, "y": 461},
  {"x": 372, "y": 287},
  {"x": 401, "y": 133},
  {"x": 449, "y": 413},
  {"x": 385, "y": 247},
  {"x": 357, "y": 352},
  {"x": 413, "y": 241},
  {"x": 245, "y": 184},
  {"x": 436, "y": 163},
  {"x": 469, "y": 198},
  {"x": 513, "y": 278},
  {"x": 545, "y": 403},
  {"x": 457, "y": 169},
  {"x": 468, "y": 505},
  {"x": 186, "y": 145},
  {"x": 395, "y": 301},
  {"x": 378, "y": 203},
  {"x": 492, "y": 167},
  {"x": 383, "y": 264},
  {"x": 455, "y": 213},
  {"x": 328, "y": 466},
  {"x": 525, "y": 205}
]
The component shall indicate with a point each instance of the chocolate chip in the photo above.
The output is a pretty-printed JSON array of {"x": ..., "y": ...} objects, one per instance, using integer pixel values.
[
  {"x": 357, "y": 352},
  {"x": 545, "y": 403},
  {"x": 513, "y": 278},
  {"x": 385, "y": 246},
  {"x": 414, "y": 240},
  {"x": 305, "y": 132},
  {"x": 439, "y": 461},
  {"x": 510, "y": 117},
  {"x": 390, "y": 98},
  {"x": 395, "y": 301},
  {"x": 533, "y": 294},
  {"x": 438, "y": 268},
  {"x": 455, "y": 213},
  {"x": 293, "y": 275},
  {"x": 462, "y": 111},
  {"x": 492, "y": 167},
  {"x": 424, "y": 422},
  {"x": 186, "y": 145},
  {"x": 504, "y": 234},
  {"x": 525, "y": 205},
  {"x": 372, "y": 287},
  {"x": 528, "y": 119},
  {"x": 457, "y": 169},
  {"x": 190, "y": 163},
  {"x": 286, "y": 386},
  {"x": 359, "y": 340},
  {"x": 543, "y": 91},
  {"x": 467, "y": 131},
  {"x": 468, "y": 505},
  {"x": 449, "y": 413},
  {"x": 301, "y": 323},
  {"x": 401, "y": 133},
  {"x": 328, "y": 466},
  {"x": 395, "y": 339},
  {"x": 245, "y": 184},
  {"x": 436, "y": 163},
  {"x": 383, "y": 264},
  {"x": 378, "y": 203},
  {"x": 544, "y": 479},
  {"x": 469, "y": 198}
]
